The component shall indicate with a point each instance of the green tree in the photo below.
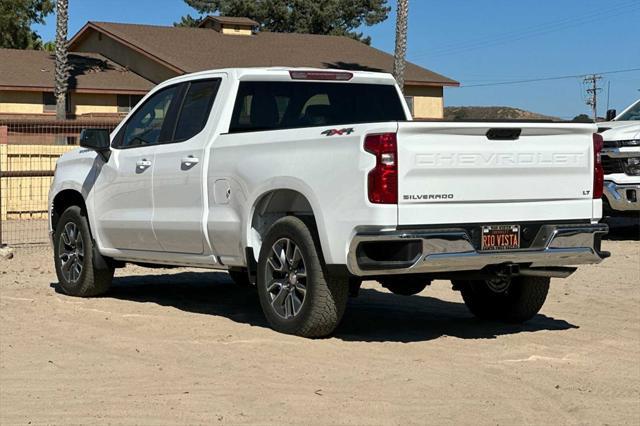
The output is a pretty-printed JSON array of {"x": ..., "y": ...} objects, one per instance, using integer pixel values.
[
  {"x": 399, "y": 56},
  {"x": 582, "y": 118},
  {"x": 333, "y": 17},
  {"x": 62, "y": 64},
  {"x": 16, "y": 18},
  {"x": 188, "y": 21}
]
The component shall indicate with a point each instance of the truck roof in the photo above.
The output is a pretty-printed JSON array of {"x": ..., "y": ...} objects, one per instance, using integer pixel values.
[{"x": 285, "y": 74}]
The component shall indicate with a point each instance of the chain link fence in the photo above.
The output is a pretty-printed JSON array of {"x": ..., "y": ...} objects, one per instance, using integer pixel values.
[{"x": 29, "y": 149}]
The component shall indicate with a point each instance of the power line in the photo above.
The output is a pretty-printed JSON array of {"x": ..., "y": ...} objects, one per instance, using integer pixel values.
[
  {"x": 596, "y": 15},
  {"x": 534, "y": 80}
]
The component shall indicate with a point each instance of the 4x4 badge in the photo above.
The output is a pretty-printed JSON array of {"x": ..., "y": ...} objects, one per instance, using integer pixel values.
[{"x": 332, "y": 132}]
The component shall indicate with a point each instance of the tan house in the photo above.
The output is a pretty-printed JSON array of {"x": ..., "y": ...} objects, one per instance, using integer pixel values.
[
  {"x": 138, "y": 56},
  {"x": 97, "y": 86}
]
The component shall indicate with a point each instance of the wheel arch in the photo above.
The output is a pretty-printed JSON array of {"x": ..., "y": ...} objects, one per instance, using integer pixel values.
[
  {"x": 72, "y": 197},
  {"x": 62, "y": 201},
  {"x": 272, "y": 205}
]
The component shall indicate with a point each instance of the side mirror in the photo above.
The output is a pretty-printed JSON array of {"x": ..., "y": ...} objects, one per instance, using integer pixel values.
[
  {"x": 96, "y": 140},
  {"x": 611, "y": 114}
]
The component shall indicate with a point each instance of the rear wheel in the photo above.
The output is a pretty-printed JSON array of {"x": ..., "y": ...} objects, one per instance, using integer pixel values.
[
  {"x": 515, "y": 299},
  {"x": 404, "y": 285},
  {"x": 75, "y": 264},
  {"x": 296, "y": 294}
]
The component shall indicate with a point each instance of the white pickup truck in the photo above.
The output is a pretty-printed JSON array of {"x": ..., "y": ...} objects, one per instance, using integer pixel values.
[
  {"x": 621, "y": 162},
  {"x": 306, "y": 182}
]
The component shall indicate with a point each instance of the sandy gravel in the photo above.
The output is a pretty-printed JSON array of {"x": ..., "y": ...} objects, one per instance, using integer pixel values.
[{"x": 189, "y": 347}]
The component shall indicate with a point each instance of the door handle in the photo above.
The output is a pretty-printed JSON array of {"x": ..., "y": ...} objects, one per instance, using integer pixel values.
[
  {"x": 190, "y": 161},
  {"x": 143, "y": 164}
]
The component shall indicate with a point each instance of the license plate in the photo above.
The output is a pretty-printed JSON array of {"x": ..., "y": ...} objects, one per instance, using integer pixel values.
[{"x": 500, "y": 237}]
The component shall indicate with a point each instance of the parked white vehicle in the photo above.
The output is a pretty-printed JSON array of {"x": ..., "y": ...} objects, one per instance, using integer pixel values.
[
  {"x": 305, "y": 182},
  {"x": 621, "y": 161}
]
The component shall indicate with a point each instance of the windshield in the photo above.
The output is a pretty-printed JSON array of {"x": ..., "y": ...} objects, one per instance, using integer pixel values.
[{"x": 632, "y": 114}]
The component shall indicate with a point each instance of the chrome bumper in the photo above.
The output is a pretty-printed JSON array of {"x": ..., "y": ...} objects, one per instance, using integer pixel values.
[
  {"x": 451, "y": 250},
  {"x": 619, "y": 198}
]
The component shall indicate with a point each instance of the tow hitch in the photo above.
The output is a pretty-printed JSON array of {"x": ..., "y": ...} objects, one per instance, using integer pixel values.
[{"x": 514, "y": 269}]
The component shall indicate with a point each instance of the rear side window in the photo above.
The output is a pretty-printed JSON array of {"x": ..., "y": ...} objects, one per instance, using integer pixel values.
[
  {"x": 195, "y": 109},
  {"x": 286, "y": 105}
]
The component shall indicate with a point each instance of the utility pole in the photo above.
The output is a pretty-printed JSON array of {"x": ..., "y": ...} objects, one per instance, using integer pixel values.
[{"x": 591, "y": 82}]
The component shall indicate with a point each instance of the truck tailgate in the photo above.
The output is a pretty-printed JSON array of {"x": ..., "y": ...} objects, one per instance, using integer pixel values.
[{"x": 454, "y": 173}]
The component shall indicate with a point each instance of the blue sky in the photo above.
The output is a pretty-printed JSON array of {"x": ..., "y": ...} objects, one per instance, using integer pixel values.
[{"x": 477, "y": 42}]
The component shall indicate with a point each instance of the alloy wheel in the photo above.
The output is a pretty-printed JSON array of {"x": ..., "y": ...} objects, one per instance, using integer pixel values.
[
  {"x": 71, "y": 252},
  {"x": 286, "y": 277}
]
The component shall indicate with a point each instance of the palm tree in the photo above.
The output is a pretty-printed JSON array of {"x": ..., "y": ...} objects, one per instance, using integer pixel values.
[
  {"x": 62, "y": 66},
  {"x": 399, "y": 60}
]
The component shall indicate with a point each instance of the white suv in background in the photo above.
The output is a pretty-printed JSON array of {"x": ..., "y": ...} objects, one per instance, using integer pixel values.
[{"x": 621, "y": 161}]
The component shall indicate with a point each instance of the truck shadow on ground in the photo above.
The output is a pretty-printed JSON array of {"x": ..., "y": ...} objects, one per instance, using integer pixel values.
[
  {"x": 373, "y": 316},
  {"x": 623, "y": 229}
]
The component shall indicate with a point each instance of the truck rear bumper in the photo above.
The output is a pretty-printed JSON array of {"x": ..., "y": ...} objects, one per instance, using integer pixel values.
[
  {"x": 452, "y": 249},
  {"x": 622, "y": 197}
]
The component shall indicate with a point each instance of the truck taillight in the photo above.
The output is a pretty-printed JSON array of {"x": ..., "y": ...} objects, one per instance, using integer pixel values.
[
  {"x": 598, "y": 172},
  {"x": 383, "y": 178}
]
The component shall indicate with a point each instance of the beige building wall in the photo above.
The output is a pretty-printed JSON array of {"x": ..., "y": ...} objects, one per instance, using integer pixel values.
[
  {"x": 427, "y": 101},
  {"x": 90, "y": 103},
  {"x": 236, "y": 31},
  {"x": 125, "y": 56},
  {"x": 21, "y": 102},
  {"x": 13, "y": 102}
]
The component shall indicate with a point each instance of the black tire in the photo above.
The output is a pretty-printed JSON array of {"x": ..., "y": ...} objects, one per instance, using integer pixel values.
[
  {"x": 91, "y": 280},
  {"x": 405, "y": 285},
  {"x": 324, "y": 298},
  {"x": 519, "y": 301},
  {"x": 240, "y": 277}
]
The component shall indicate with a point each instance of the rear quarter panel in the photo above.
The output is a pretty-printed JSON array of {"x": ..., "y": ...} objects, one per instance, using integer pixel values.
[{"x": 330, "y": 171}]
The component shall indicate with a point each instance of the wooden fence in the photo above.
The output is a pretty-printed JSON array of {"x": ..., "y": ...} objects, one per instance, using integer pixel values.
[{"x": 29, "y": 150}]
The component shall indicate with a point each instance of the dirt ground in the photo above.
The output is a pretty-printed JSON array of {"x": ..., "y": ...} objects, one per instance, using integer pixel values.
[{"x": 189, "y": 347}]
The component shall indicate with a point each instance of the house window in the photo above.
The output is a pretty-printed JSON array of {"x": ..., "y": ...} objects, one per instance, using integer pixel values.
[
  {"x": 409, "y": 101},
  {"x": 127, "y": 102},
  {"x": 49, "y": 102}
]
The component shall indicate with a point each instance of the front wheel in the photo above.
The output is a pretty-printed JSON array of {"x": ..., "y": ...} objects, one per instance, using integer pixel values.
[
  {"x": 296, "y": 295},
  {"x": 514, "y": 300},
  {"x": 73, "y": 250}
]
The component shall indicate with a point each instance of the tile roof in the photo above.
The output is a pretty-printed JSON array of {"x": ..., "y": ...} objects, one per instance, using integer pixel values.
[
  {"x": 90, "y": 72},
  {"x": 197, "y": 49}
]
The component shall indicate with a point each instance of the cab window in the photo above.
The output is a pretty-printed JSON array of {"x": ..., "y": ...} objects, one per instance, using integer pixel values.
[
  {"x": 274, "y": 105},
  {"x": 195, "y": 109},
  {"x": 145, "y": 126}
]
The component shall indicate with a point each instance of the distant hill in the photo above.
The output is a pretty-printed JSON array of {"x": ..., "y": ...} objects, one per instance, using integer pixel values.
[{"x": 492, "y": 113}]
